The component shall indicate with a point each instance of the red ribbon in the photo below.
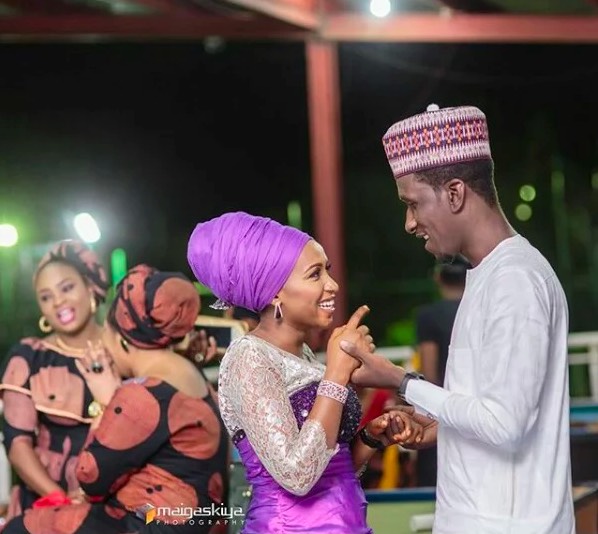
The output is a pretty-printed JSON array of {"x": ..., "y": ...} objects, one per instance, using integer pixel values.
[{"x": 56, "y": 498}]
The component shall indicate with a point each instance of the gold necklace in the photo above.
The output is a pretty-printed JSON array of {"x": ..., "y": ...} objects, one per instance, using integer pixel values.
[{"x": 74, "y": 351}]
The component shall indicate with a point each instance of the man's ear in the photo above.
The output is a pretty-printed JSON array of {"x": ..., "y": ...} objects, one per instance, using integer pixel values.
[{"x": 455, "y": 190}]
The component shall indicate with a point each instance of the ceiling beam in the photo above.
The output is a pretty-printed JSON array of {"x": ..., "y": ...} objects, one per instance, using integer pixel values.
[
  {"x": 49, "y": 7},
  {"x": 131, "y": 28},
  {"x": 163, "y": 6},
  {"x": 299, "y": 13},
  {"x": 472, "y": 6},
  {"x": 462, "y": 28}
]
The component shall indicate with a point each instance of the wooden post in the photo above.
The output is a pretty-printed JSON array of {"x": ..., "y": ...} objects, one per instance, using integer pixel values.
[{"x": 323, "y": 92}]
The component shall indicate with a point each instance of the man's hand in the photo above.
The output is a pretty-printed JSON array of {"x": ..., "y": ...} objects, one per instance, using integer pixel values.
[
  {"x": 429, "y": 426},
  {"x": 396, "y": 428},
  {"x": 374, "y": 371}
]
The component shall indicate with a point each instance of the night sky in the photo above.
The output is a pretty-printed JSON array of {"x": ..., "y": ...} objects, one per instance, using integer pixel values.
[{"x": 152, "y": 138}]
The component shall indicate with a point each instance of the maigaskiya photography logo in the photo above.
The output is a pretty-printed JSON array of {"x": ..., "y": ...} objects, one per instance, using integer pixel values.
[{"x": 215, "y": 514}]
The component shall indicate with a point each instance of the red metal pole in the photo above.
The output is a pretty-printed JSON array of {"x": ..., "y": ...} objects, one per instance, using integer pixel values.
[{"x": 323, "y": 92}]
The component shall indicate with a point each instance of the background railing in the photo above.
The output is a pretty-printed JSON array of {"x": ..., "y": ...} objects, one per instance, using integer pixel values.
[{"x": 583, "y": 361}]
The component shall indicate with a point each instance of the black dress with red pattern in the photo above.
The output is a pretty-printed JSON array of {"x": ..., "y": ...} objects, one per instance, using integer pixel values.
[
  {"x": 45, "y": 402},
  {"x": 157, "y": 456}
]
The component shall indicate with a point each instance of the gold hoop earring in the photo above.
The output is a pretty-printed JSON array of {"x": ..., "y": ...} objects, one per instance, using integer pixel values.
[
  {"x": 94, "y": 306},
  {"x": 124, "y": 344},
  {"x": 44, "y": 325},
  {"x": 278, "y": 311}
]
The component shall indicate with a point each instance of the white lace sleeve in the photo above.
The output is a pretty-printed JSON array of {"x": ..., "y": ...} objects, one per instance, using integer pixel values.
[{"x": 252, "y": 387}]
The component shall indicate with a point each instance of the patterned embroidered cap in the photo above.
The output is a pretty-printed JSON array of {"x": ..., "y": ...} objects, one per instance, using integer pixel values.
[{"x": 436, "y": 138}]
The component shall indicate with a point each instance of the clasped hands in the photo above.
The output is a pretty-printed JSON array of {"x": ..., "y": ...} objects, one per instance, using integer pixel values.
[{"x": 352, "y": 348}]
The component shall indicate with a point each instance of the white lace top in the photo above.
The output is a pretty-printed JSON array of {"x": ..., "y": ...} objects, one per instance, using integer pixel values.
[{"x": 255, "y": 382}]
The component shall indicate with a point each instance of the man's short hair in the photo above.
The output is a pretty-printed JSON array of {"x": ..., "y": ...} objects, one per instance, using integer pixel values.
[{"x": 478, "y": 175}]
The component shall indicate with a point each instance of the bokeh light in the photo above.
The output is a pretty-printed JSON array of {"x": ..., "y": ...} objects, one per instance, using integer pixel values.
[
  {"x": 523, "y": 212},
  {"x": 527, "y": 193}
]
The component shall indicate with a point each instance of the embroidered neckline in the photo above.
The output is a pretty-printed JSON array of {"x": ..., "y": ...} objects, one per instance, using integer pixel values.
[{"x": 306, "y": 355}]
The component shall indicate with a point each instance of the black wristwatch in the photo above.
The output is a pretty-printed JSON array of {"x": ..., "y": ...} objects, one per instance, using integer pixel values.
[
  {"x": 403, "y": 386},
  {"x": 370, "y": 441}
]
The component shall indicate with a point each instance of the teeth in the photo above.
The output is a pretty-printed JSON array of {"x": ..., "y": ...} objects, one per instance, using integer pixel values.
[
  {"x": 328, "y": 305},
  {"x": 66, "y": 315}
]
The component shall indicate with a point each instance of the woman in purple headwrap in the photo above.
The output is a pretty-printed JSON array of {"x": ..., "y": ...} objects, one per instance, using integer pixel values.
[{"x": 293, "y": 420}]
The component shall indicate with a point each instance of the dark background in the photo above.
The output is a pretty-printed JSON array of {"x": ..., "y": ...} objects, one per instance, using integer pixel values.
[{"x": 153, "y": 138}]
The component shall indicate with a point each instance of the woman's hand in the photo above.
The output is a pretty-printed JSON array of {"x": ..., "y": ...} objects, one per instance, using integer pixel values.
[
  {"x": 395, "y": 428},
  {"x": 77, "y": 496},
  {"x": 201, "y": 349},
  {"x": 98, "y": 370},
  {"x": 429, "y": 427},
  {"x": 338, "y": 362}
]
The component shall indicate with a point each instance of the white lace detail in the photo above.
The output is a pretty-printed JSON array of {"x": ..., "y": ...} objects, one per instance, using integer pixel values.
[{"x": 256, "y": 380}]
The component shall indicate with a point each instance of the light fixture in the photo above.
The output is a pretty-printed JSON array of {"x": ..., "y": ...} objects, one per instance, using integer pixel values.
[
  {"x": 87, "y": 228},
  {"x": 380, "y": 8},
  {"x": 9, "y": 236}
]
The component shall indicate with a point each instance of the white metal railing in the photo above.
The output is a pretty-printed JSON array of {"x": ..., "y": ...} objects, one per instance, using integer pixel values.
[{"x": 583, "y": 347}]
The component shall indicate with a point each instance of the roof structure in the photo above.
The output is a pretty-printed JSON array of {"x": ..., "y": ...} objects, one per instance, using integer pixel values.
[{"x": 564, "y": 21}]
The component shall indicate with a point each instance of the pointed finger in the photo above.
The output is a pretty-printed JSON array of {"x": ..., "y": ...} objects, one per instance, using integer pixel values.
[{"x": 357, "y": 316}]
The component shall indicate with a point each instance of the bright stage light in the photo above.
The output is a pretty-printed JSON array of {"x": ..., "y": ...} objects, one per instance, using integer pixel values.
[
  {"x": 87, "y": 228},
  {"x": 8, "y": 235},
  {"x": 380, "y": 8}
]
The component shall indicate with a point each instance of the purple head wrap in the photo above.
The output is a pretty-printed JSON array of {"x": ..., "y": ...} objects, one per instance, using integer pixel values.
[{"x": 245, "y": 260}]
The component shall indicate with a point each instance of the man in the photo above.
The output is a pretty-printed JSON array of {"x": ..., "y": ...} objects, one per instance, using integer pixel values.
[
  {"x": 434, "y": 325},
  {"x": 502, "y": 418}
]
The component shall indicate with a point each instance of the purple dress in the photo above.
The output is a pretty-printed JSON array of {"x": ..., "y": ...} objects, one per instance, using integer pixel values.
[{"x": 298, "y": 485}]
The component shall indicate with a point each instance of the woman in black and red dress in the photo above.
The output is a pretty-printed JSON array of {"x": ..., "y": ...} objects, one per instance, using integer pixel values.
[
  {"x": 45, "y": 397},
  {"x": 157, "y": 448}
]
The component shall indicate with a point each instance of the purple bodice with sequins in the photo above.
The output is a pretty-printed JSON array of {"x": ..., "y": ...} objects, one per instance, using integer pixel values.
[
  {"x": 335, "y": 505},
  {"x": 303, "y": 400}
]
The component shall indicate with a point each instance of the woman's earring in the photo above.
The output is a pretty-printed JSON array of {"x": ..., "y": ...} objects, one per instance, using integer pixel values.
[
  {"x": 124, "y": 344},
  {"x": 278, "y": 311},
  {"x": 44, "y": 325},
  {"x": 94, "y": 306}
]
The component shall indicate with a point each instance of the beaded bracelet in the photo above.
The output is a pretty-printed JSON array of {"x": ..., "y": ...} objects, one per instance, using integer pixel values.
[
  {"x": 370, "y": 440},
  {"x": 333, "y": 390}
]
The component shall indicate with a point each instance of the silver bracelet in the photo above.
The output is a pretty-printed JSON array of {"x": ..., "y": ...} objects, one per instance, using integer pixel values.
[{"x": 333, "y": 390}]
